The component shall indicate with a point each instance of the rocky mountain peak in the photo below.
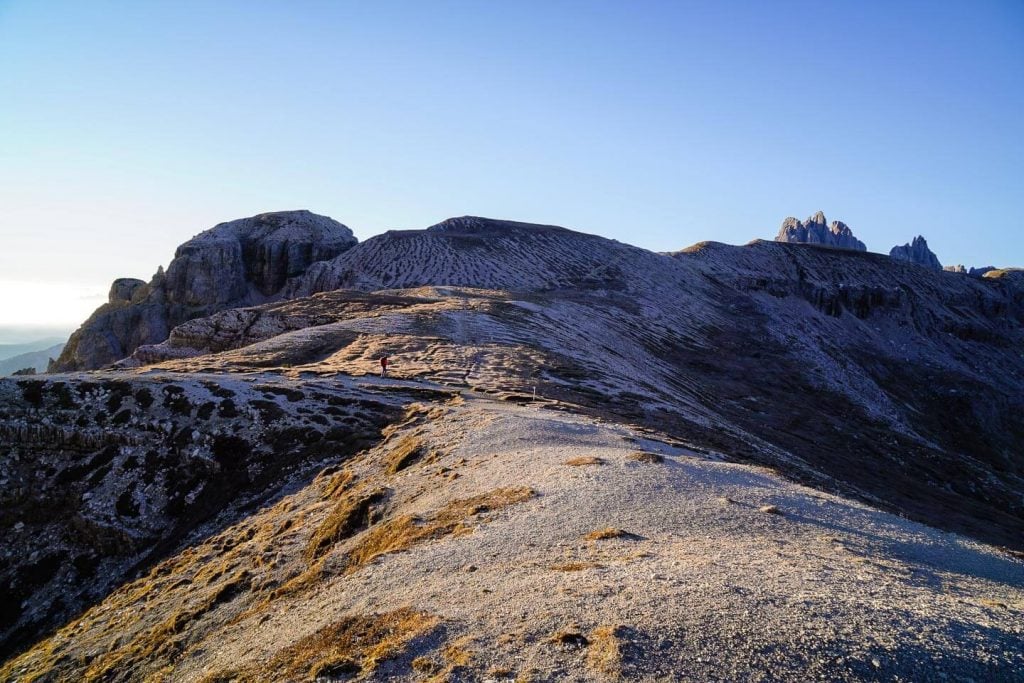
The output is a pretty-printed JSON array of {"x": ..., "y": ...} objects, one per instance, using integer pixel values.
[
  {"x": 479, "y": 225},
  {"x": 817, "y": 219},
  {"x": 238, "y": 263},
  {"x": 816, "y": 230},
  {"x": 916, "y": 252}
]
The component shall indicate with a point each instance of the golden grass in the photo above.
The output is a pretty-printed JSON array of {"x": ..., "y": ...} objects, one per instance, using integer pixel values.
[
  {"x": 584, "y": 460},
  {"x": 409, "y": 450},
  {"x": 351, "y": 514},
  {"x": 353, "y": 646},
  {"x": 405, "y": 531},
  {"x": 337, "y": 483},
  {"x": 647, "y": 458},
  {"x": 297, "y": 583},
  {"x": 570, "y": 636},
  {"x": 604, "y": 654},
  {"x": 606, "y": 533},
  {"x": 163, "y": 641},
  {"x": 988, "y": 602},
  {"x": 414, "y": 413},
  {"x": 425, "y": 666}
]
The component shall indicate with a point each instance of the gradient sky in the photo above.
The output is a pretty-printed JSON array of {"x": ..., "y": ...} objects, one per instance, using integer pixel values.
[{"x": 128, "y": 127}]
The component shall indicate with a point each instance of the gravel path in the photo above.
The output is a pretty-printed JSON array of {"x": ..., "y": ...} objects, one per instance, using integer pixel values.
[{"x": 704, "y": 584}]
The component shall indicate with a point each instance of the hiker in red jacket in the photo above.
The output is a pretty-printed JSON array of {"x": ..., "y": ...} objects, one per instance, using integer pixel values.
[{"x": 383, "y": 366}]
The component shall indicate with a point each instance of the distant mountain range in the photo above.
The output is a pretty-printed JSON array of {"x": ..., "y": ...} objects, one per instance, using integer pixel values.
[{"x": 38, "y": 360}]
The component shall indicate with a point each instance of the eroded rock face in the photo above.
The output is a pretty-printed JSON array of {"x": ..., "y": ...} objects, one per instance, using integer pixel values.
[
  {"x": 240, "y": 263},
  {"x": 916, "y": 252},
  {"x": 815, "y": 230},
  {"x": 123, "y": 289},
  {"x": 104, "y": 475}
]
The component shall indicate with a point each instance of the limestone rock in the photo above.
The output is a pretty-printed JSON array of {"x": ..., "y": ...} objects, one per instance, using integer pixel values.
[
  {"x": 916, "y": 252},
  {"x": 959, "y": 268},
  {"x": 816, "y": 230},
  {"x": 240, "y": 263},
  {"x": 123, "y": 289}
]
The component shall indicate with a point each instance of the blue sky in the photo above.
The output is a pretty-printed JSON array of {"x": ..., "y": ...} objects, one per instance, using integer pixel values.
[{"x": 126, "y": 128}]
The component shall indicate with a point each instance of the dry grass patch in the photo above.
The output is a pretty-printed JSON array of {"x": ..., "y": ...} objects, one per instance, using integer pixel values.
[
  {"x": 297, "y": 583},
  {"x": 408, "y": 451},
  {"x": 165, "y": 640},
  {"x": 584, "y": 460},
  {"x": 607, "y": 533},
  {"x": 414, "y": 414},
  {"x": 352, "y": 647},
  {"x": 570, "y": 636},
  {"x": 351, "y": 514},
  {"x": 647, "y": 458},
  {"x": 405, "y": 531},
  {"x": 988, "y": 602},
  {"x": 337, "y": 483},
  {"x": 604, "y": 655}
]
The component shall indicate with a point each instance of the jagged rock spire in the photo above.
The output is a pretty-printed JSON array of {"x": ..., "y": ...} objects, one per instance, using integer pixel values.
[
  {"x": 916, "y": 252},
  {"x": 816, "y": 230}
]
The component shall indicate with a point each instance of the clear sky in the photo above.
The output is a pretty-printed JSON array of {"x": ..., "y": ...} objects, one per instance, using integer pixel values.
[{"x": 128, "y": 127}]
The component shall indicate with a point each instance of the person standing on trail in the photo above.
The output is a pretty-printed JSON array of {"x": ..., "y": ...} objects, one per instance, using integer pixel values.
[{"x": 383, "y": 366}]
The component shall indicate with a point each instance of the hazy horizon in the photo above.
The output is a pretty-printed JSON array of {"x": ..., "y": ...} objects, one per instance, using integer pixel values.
[{"x": 130, "y": 128}]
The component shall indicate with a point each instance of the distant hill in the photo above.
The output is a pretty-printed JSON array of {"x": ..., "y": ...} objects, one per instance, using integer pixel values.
[
  {"x": 32, "y": 359},
  {"x": 10, "y": 350}
]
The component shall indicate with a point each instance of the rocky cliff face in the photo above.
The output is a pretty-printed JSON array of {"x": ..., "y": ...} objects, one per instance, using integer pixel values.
[
  {"x": 240, "y": 263},
  {"x": 917, "y": 252},
  {"x": 815, "y": 230}
]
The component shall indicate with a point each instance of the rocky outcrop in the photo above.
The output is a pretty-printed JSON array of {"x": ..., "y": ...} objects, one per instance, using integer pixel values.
[
  {"x": 240, "y": 263},
  {"x": 980, "y": 272},
  {"x": 123, "y": 289},
  {"x": 960, "y": 269},
  {"x": 815, "y": 230},
  {"x": 102, "y": 476},
  {"x": 917, "y": 252}
]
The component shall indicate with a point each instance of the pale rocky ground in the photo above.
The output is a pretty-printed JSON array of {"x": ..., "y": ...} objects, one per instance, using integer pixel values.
[{"x": 705, "y": 586}]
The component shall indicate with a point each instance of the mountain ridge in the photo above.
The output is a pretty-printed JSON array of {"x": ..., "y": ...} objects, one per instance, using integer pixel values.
[{"x": 560, "y": 411}]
